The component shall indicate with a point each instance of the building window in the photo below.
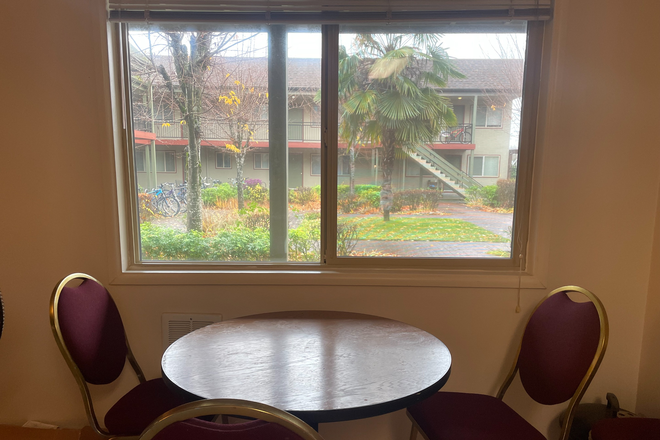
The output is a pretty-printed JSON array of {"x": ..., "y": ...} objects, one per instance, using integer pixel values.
[
  {"x": 241, "y": 88},
  {"x": 165, "y": 161},
  {"x": 222, "y": 160},
  {"x": 344, "y": 166},
  {"x": 260, "y": 161},
  {"x": 489, "y": 116},
  {"x": 139, "y": 161},
  {"x": 316, "y": 164},
  {"x": 486, "y": 166}
]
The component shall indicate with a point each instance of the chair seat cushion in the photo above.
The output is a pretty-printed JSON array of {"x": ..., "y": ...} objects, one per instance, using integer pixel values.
[
  {"x": 139, "y": 407},
  {"x": 195, "y": 429},
  {"x": 461, "y": 416},
  {"x": 626, "y": 429}
]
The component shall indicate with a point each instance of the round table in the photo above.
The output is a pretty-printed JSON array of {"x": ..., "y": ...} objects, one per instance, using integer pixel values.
[{"x": 318, "y": 365}]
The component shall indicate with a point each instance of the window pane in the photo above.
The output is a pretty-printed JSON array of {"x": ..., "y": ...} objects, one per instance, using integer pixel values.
[
  {"x": 139, "y": 160},
  {"x": 491, "y": 166},
  {"x": 478, "y": 166},
  {"x": 228, "y": 85},
  {"x": 481, "y": 116},
  {"x": 494, "y": 117},
  {"x": 420, "y": 167},
  {"x": 316, "y": 164}
]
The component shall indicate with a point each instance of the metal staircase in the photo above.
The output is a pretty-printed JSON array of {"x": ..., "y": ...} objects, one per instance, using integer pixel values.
[{"x": 453, "y": 178}]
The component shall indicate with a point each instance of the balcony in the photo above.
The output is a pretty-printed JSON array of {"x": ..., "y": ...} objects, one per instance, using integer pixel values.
[
  {"x": 459, "y": 134},
  {"x": 220, "y": 130}
]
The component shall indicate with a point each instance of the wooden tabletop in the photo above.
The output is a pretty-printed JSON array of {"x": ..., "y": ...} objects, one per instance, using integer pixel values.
[{"x": 321, "y": 366}]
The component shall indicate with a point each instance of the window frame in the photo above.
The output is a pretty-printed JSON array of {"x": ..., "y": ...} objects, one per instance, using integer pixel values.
[
  {"x": 261, "y": 161},
  {"x": 165, "y": 153},
  {"x": 129, "y": 233},
  {"x": 501, "y": 125},
  {"x": 483, "y": 165},
  {"x": 228, "y": 155},
  {"x": 311, "y": 164}
]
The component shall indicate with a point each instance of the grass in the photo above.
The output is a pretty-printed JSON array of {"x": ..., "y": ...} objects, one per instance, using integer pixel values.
[{"x": 423, "y": 229}]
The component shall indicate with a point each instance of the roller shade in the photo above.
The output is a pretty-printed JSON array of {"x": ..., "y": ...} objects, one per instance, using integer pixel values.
[{"x": 327, "y": 11}]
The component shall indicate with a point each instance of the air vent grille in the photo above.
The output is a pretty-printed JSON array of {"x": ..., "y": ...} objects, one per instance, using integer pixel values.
[{"x": 176, "y": 325}]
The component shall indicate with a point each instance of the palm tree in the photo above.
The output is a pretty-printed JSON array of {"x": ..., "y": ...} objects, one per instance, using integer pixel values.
[{"x": 389, "y": 96}]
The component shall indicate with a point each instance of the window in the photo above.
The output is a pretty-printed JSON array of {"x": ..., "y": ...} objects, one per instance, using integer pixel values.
[
  {"x": 490, "y": 117},
  {"x": 486, "y": 166},
  {"x": 222, "y": 160},
  {"x": 260, "y": 161},
  {"x": 165, "y": 161},
  {"x": 139, "y": 161},
  {"x": 251, "y": 88},
  {"x": 316, "y": 164},
  {"x": 344, "y": 166}
]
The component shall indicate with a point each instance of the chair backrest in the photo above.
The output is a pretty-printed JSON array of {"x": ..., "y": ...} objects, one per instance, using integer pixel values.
[
  {"x": 87, "y": 325},
  {"x": 562, "y": 347},
  {"x": 272, "y": 424}
]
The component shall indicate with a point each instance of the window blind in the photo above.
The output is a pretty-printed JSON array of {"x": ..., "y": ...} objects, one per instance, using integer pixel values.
[{"x": 326, "y": 11}]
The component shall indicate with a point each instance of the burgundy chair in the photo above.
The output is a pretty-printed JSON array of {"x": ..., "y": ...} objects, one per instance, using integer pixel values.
[
  {"x": 562, "y": 346},
  {"x": 90, "y": 334},
  {"x": 271, "y": 423},
  {"x": 628, "y": 428}
]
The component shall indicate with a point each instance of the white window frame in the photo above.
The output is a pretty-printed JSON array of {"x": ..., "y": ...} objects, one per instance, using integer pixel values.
[
  {"x": 329, "y": 205},
  {"x": 224, "y": 156}
]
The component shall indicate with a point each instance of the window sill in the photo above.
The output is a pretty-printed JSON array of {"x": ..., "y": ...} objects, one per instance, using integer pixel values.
[{"x": 330, "y": 277}]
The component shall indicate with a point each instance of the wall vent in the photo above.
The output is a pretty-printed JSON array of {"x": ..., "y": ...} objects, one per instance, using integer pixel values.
[{"x": 176, "y": 325}]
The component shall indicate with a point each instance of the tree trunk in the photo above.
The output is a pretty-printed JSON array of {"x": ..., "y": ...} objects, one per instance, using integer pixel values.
[
  {"x": 240, "y": 160},
  {"x": 194, "y": 174},
  {"x": 351, "y": 155},
  {"x": 386, "y": 195}
]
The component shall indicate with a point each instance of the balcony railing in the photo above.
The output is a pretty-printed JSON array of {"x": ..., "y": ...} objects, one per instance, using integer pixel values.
[
  {"x": 298, "y": 131},
  {"x": 220, "y": 130},
  {"x": 460, "y": 134}
]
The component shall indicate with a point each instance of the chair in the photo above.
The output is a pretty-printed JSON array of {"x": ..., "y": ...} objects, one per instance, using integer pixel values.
[
  {"x": 562, "y": 346},
  {"x": 271, "y": 424},
  {"x": 628, "y": 428},
  {"x": 90, "y": 334}
]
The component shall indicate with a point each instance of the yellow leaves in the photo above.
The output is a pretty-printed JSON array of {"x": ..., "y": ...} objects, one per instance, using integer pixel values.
[
  {"x": 227, "y": 75},
  {"x": 183, "y": 122},
  {"x": 246, "y": 127},
  {"x": 237, "y": 82},
  {"x": 266, "y": 94},
  {"x": 251, "y": 89},
  {"x": 233, "y": 148},
  {"x": 208, "y": 67},
  {"x": 492, "y": 107},
  {"x": 165, "y": 124}
]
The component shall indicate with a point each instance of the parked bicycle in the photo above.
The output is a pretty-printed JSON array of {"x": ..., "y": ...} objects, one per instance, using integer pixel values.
[{"x": 165, "y": 202}]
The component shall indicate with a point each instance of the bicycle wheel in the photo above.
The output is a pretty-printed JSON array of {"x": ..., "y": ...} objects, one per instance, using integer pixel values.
[{"x": 168, "y": 207}]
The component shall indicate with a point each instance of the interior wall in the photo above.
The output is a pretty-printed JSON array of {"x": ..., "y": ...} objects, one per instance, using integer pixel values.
[{"x": 596, "y": 198}]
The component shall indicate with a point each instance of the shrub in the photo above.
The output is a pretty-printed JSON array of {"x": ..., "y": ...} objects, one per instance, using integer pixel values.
[
  {"x": 305, "y": 241},
  {"x": 147, "y": 206},
  {"x": 233, "y": 244},
  {"x": 484, "y": 195},
  {"x": 303, "y": 196},
  {"x": 347, "y": 236},
  {"x": 255, "y": 216},
  {"x": 254, "y": 182},
  {"x": 256, "y": 193},
  {"x": 506, "y": 193},
  {"x": 219, "y": 193}
]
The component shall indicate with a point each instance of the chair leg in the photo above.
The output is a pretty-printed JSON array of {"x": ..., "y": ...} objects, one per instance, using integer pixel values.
[{"x": 413, "y": 433}]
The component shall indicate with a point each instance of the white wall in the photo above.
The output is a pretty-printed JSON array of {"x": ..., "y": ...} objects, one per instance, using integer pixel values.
[{"x": 596, "y": 232}]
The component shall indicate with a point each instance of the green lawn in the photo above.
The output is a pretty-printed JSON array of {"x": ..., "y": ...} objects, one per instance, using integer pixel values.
[{"x": 423, "y": 229}]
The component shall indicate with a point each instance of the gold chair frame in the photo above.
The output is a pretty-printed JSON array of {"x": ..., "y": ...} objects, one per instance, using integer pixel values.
[
  {"x": 586, "y": 380},
  {"x": 77, "y": 374},
  {"x": 232, "y": 407}
]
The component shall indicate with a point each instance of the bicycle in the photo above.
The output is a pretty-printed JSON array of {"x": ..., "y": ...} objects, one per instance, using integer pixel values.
[{"x": 166, "y": 204}]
